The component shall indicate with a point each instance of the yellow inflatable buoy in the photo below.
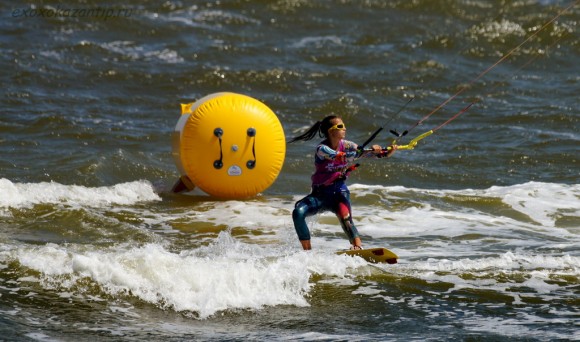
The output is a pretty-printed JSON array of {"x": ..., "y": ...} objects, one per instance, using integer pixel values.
[{"x": 229, "y": 145}]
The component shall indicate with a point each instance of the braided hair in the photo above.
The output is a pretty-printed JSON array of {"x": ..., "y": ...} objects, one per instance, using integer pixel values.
[{"x": 320, "y": 127}]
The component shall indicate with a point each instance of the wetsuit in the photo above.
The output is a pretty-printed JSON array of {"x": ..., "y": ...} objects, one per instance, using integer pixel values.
[{"x": 329, "y": 191}]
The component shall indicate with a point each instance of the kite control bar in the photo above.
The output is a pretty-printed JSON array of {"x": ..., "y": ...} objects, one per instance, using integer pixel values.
[{"x": 410, "y": 146}]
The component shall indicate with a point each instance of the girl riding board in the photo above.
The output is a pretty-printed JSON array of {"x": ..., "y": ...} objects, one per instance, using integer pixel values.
[{"x": 329, "y": 191}]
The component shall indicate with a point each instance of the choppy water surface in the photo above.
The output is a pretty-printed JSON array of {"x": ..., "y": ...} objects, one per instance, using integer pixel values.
[{"x": 484, "y": 214}]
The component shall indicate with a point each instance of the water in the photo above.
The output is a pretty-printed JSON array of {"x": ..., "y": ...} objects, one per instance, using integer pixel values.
[{"x": 484, "y": 214}]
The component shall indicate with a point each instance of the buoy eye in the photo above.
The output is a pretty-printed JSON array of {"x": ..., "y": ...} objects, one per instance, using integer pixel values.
[
  {"x": 252, "y": 134},
  {"x": 218, "y": 164}
]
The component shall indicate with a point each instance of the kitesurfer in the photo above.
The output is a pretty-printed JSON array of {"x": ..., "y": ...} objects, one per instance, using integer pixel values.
[{"x": 329, "y": 190}]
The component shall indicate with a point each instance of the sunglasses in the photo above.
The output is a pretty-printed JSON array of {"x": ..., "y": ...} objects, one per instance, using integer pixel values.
[{"x": 338, "y": 126}]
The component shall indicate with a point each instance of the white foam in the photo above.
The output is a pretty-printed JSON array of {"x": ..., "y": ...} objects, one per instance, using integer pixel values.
[
  {"x": 232, "y": 275},
  {"x": 248, "y": 214},
  {"x": 244, "y": 272},
  {"x": 226, "y": 275},
  {"x": 520, "y": 325},
  {"x": 220, "y": 18},
  {"x": 136, "y": 52},
  {"x": 194, "y": 16},
  {"x": 542, "y": 202},
  {"x": 506, "y": 261},
  {"x": 24, "y": 195},
  {"x": 318, "y": 42},
  {"x": 495, "y": 30},
  {"x": 499, "y": 273}
]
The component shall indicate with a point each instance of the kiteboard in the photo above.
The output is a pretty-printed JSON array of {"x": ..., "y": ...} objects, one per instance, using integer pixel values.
[{"x": 374, "y": 255}]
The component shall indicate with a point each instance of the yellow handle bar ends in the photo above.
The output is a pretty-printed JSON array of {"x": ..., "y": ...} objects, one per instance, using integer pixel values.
[{"x": 411, "y": 145}]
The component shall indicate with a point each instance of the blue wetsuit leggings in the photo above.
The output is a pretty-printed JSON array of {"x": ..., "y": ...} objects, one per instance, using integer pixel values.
[{"x": 337, "y": 202}]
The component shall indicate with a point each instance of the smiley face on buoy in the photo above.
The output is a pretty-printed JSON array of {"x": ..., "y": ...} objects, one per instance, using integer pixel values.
[{"x": 229, "y": 145}]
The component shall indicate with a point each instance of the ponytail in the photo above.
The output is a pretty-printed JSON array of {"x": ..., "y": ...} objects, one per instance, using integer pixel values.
[{"x": 320, "y": 127}]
